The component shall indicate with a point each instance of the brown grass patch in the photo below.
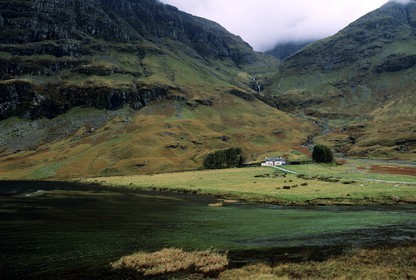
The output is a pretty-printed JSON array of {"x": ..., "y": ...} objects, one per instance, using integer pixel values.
[
  {"x": 398, "y": 170},
  {"x": 172, "y": 260},
  {"x": 230, "y": 201},
  {"x": 341, "y": 161},
  {"x": 218, "y": 204},
  {"x": 387, "y": 263},
  {"x": 304, "y": 151}
]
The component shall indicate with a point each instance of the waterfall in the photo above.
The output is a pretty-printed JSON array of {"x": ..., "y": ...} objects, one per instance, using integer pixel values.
[{"x": 257, "y": 85}]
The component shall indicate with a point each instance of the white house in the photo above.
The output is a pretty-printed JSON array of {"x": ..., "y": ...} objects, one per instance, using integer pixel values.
[{"x": 274, "y": 161}]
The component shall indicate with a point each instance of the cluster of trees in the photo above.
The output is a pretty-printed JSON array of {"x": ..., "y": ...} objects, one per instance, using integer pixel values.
[
  {"x": 232, "y": 157},
  {"x": 322, "y": 154}
]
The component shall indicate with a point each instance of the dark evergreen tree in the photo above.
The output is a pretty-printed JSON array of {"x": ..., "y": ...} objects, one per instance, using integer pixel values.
[
  {"x": 322, "y": 154},
  {"x": 232, "y": 157}
]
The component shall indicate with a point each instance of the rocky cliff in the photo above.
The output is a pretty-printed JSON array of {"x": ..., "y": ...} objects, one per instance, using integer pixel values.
[
  {"x": 58, "y": 54},
  {"x": 67, "y": 27}
]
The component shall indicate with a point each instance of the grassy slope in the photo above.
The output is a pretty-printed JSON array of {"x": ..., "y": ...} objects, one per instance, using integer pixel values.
[
  {"x": 378, "y": 115},
  {"x": 167, "y": 136},
  {"x": 387, "y": 131},
  {"x": 323, "y": 184}
]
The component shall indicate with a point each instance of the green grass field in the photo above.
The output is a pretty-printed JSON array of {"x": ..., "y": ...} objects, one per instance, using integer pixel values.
[{"x": 316, "y": 184}]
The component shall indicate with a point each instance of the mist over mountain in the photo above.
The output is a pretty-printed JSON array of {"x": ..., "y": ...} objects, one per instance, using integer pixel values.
[
  {"x": 284, "y": 50},
  {"x": 264, "y": 23}
]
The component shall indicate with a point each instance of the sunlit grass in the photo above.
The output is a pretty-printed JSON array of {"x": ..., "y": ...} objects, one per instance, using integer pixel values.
[
  {"x": 269, "y": 185},
  {"x": 172, "y": 260}
]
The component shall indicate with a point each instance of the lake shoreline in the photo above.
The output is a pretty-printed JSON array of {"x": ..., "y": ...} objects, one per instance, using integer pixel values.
[
  {"x": 229, "y": 198},
  {"x": 313, "y": 185},
  {"x": 258, "y": 198}
]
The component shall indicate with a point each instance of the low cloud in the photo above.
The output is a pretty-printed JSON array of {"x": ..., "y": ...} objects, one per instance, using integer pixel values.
[
  {"x": 402, "y": 1},
  {"x": 263, "y": 23}
]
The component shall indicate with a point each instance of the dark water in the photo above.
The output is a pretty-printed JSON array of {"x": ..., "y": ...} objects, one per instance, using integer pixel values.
[{"x": 72, "y": 231}]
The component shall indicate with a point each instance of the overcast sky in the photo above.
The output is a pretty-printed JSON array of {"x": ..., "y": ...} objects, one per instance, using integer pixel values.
[{"x": 263, "y": 23}]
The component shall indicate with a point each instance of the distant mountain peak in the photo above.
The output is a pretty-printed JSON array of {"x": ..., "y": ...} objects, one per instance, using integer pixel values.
[
  {"x": 286, "y": 49},
  {"x": 361, "y": 40}
]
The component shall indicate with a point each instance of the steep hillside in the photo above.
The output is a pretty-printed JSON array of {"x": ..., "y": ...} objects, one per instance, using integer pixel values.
[
  {"x": 163, "y": 137},
  {"x": 101, "y": 87},
  {"x": 359, "y": 84}
]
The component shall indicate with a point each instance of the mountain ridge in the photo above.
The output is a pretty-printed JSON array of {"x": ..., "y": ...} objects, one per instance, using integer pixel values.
[{"x": 362, "y": 74}]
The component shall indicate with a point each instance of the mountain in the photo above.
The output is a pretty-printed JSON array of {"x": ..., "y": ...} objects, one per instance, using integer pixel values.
[
  {"x": 285, "y": 50},
  {"x": 99, "y": 87},
  {"x": 98, "y": 53},
  {"x": 358, "y": 84}
]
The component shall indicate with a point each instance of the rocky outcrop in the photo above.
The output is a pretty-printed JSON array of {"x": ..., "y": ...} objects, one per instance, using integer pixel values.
[
  {"x": 39, "y": 20},
  {"x": 22, "y": 98},
  {"x": 395, "y": 63},
  {"x": 241, "y": 94},
  {"x": 290, "y": 102}
]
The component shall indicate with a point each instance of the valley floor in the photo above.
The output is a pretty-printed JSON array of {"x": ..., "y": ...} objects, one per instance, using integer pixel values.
[{"x": 354, "y": 182}]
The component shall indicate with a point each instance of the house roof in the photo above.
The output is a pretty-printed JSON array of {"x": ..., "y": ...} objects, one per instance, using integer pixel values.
[{"x": 275, "y": 159}]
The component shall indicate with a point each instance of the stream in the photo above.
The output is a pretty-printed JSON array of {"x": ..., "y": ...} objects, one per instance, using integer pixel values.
[{"x": 51, "y": 230}]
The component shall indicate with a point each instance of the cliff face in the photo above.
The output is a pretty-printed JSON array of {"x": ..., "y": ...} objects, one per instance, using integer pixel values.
[
  {"x": 29, "y": 101},
  {"x": 72, "y": 23},
  {"x": 57, "y": 54}
]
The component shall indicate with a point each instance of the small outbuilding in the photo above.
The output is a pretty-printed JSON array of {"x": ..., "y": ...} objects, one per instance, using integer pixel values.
[{"x": 274, "y": 161}]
